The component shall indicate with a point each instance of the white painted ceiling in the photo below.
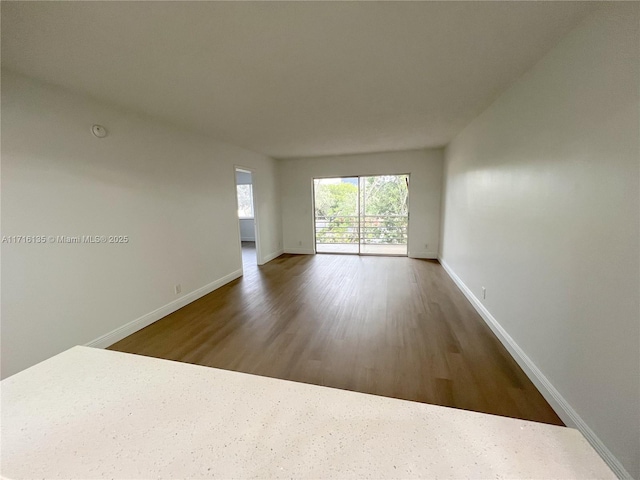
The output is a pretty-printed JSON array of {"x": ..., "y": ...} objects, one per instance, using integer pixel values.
[{"x": 291, "y": 79}]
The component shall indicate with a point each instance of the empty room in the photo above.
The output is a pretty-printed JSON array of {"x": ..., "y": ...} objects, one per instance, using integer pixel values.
[{"x": 320, "y": 239}]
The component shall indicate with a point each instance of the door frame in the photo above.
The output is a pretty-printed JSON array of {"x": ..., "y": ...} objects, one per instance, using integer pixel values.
[{"x": 255, "y": 212}]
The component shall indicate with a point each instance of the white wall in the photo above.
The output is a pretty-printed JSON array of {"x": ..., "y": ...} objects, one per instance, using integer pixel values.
[
  {"x": 425, "y": 167},
  {"x": 247, "y": 230},
  {"x": 541, "y": 207},
  {"x": 171, "y": 191},
  {"x": 243, "y": 178}
]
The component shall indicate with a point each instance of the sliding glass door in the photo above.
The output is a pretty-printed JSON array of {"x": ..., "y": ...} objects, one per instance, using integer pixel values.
[{"x": 362, "y": 215}]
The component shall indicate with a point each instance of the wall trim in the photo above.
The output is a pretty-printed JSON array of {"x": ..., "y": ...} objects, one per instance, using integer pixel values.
[
  {"x": 127, "y": 329},
  {"x": 300, "y": 251},
  {"x": 271, "y": 256},
  {"x": 429, "y": 255},
  {"x": 564, "y": 410}
]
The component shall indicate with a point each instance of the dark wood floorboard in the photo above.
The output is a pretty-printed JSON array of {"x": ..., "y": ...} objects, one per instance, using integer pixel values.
[{"x": 390, "y": 326}]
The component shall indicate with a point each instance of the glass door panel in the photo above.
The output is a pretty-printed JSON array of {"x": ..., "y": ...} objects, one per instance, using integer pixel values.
[
  {"x": 384, "y": 214},
  {"x": 337, "y": 225}
]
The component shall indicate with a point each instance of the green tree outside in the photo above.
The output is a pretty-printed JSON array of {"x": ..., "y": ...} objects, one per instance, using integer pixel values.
[
  {"x": 336, "y": 212},
  {"x": 384, "y": 209}
]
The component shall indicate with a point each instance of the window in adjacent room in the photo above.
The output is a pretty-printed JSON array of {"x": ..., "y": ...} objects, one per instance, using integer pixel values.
[{"x": 245, "y": 201}]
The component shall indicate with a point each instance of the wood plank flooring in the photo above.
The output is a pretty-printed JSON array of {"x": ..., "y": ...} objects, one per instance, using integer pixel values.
[{"x": 390, "y": 326}]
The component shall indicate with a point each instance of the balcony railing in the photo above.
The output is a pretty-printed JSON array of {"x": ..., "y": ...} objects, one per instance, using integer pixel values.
[{"x": 363, "y": 229}]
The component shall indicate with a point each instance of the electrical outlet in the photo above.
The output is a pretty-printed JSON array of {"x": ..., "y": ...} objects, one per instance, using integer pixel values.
[
  {"x": 300, "y": 242},
  {"x": 426, "y": 246},
  {"x": 178, "y": 289},
  {"x": 484, "y": 293}
]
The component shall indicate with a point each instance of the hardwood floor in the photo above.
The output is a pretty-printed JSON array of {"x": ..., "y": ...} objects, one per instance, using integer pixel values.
[{"x": 390, "y": 326}]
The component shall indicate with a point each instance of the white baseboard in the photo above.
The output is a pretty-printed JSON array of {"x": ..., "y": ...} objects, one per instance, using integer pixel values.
[
  {"x": 429, "y": 255},
  {"x": 565, "y": 411},
  {"x": 300, "y": 251},
  {"x": 119, "y": 333},
  {"x": 271, "y": 256}
]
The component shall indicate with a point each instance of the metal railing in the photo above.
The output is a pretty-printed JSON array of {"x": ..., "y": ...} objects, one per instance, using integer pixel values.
[{"x": 363, "y": 229}]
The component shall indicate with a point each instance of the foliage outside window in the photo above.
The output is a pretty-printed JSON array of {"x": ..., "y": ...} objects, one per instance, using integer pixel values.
[{"x": 245, "y": 201}]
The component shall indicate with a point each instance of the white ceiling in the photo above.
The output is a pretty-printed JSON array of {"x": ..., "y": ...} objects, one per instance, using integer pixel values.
[{"x": 291, "y": 79}]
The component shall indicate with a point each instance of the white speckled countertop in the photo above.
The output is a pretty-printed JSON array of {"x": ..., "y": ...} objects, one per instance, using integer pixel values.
[{"x": 90, "y": 413}]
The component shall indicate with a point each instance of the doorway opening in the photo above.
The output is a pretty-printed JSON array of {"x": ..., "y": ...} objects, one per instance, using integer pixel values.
[
  {"x": 362, "y": 215},
  {"x": 246, "y": 217}
]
